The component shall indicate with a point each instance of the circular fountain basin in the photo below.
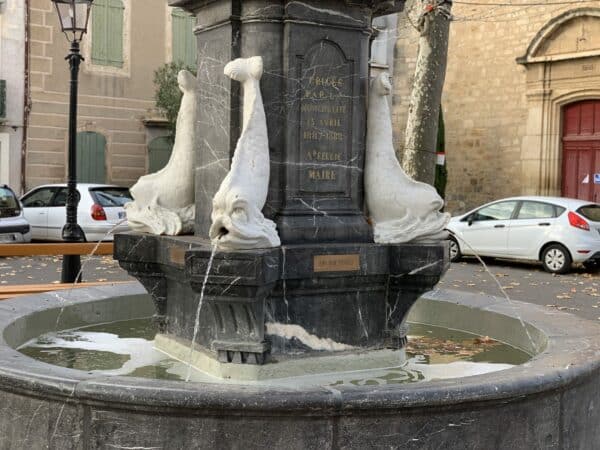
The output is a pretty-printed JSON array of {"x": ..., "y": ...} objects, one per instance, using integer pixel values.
[{"x": 549, "y": 402}]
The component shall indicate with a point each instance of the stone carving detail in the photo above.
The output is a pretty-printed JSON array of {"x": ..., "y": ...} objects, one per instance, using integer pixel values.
[
  {"x": 237, "y": 219},
  {"x": 164, "y": 201},
  {"x": 401, "y": 208}
]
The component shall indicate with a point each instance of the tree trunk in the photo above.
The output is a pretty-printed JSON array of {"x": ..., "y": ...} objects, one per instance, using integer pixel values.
[{"x": 419, "y": 156}]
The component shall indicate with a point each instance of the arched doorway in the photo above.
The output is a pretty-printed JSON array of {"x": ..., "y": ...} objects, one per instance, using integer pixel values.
[
  {"x": 581, "y": 150},
  {"x": 159, "y": 152},
  {"x": 91, "y": 157}
]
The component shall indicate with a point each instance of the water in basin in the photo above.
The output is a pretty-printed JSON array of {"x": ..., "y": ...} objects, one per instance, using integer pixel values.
[{"x": 126, "y": 348}]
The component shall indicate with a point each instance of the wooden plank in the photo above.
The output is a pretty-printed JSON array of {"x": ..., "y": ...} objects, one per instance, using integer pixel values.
[
  {"x": 63, "y": 248},
  {"x": 7, "y": 292}
]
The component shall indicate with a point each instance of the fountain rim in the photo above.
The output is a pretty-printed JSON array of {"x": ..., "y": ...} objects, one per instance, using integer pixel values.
[{"x": 571, "y": 355}]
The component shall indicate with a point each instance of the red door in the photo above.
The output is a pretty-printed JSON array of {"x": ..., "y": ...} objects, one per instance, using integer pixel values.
[{"x": 581, "y": 150}]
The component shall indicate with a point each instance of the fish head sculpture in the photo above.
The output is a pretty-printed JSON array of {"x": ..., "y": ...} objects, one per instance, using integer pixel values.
[
  {"x": 237, "y": 223},
  {"x": 237, "y": 218},
  {"x": 382, "y": 84},
  {"x": 186, "y": 81}
]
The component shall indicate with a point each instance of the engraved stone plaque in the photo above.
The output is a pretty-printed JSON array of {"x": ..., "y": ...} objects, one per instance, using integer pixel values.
[
  {"x": 336, "y": 263},
  {"x": 325, "y": 121}
]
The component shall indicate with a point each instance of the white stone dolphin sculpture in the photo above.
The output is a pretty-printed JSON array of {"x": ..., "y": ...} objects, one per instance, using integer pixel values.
[
  {"x": 401, "y": 209},
  {"x": 237, "y": 219},
  {"x": 164, "y": 201}
]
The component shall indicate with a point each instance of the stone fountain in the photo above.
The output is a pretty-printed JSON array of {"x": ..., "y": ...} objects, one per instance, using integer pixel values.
[
  {"x": 290, "y": 145},
  {"x": 293, "y": 277}
]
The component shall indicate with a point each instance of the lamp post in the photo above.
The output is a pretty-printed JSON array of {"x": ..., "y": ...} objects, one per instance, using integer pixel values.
[{"x": 73, "y": 16}]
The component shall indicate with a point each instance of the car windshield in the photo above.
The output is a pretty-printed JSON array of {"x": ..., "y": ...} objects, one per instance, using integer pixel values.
[
  {"x": 590, "y": 212},
  {"x": 9, "y": 205},
  {"x": 111, "y": 196}
]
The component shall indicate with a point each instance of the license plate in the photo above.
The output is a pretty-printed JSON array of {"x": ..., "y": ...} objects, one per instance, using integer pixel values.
[{"x": 121, "y": 214}]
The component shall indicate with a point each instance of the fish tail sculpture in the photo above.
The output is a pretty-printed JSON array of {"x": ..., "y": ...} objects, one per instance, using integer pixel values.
[
  {"x": 401, "y": 209},
  {"x": 237, "y": 219},
  {"x": 164, "y": 200}
]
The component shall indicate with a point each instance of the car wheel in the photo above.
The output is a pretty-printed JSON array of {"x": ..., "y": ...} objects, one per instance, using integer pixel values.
[
  {"x": 592, "y": 266},
  {"x": 455, "y": 253},
  {"x": 556, "y": 259}
]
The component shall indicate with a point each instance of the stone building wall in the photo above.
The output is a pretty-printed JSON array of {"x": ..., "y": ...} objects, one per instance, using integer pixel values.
[
  {"x": 12, "y": 66},
  {"x": 502, "y": 116},
  {"x": 112, "y": 101}
]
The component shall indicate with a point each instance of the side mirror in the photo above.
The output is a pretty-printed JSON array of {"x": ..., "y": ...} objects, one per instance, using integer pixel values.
[{"x": 470, "y": 219}]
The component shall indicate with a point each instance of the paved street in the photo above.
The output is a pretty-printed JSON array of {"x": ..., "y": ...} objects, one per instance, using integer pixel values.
[
  {"x": 577, "y": 292},
  {"x": 47, "y": 269}
]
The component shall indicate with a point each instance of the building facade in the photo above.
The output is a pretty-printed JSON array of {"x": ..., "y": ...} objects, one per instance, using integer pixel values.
[
  {"x": 521, "y": 101},
  {"x": 120, "y": 135},
  {"x": 12, "y": 90}
]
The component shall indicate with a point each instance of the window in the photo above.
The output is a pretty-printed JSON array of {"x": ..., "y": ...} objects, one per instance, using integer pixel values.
[
  {"x": 497, "y": 211},
  {"x": 107, "y": 33},
  {"x": 537, "y": 210},
  {"x": 61, "y": 197},
  {"x": 111, "y": 196},
  {"x": 9, "y": 205},
  {"x": 184, "y": 40},
  {"x": 590, "y": 212},
  {"x": 40, "y": 198}
]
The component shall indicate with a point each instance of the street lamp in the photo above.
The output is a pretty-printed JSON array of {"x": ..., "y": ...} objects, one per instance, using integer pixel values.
[{"x": 74, "y": 16}]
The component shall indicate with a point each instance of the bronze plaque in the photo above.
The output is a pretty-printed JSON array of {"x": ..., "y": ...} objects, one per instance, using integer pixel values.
[
  {"x": 336, "y": 263},
  {"x": 177, "y": 255}
]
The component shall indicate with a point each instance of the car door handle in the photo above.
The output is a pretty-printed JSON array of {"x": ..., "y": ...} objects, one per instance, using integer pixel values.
[
  {"x": 499, "y": 226},
  {"x": 544, "y": 224}
]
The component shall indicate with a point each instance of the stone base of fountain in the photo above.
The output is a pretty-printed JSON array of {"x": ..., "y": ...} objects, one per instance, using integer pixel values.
[
  {"x": 258, "y": 305},
  {"x": 281, "y": 367},
  {"x": 549, "y": 402}
]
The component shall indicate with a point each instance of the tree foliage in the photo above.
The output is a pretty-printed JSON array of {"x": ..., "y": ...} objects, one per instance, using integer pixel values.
[{"x": 167, "y": 94}]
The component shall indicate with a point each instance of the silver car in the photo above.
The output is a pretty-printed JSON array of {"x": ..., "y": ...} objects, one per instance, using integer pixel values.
[
  {"x": 554, "y": 230},
  {"x": 13, "y": 224},
  {"x": 100, "y": 211}
]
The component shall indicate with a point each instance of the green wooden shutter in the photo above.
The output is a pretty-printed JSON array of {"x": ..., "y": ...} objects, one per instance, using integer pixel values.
[
  {"x": 159, "y": 152},
  {"x": 99, "y": 32},
  {"x": 2, "y": 99},
  {"x": 91, "y": 159},
  {"x": 115, "y": 33},
  {"x": 107, "y": 33},
  {"x": 184, "y": 41}
]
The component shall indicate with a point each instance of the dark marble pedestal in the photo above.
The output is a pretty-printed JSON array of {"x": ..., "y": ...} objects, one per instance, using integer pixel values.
[
  {"x": 353, "y": 294},
  {"x": 327, "y": 280}
]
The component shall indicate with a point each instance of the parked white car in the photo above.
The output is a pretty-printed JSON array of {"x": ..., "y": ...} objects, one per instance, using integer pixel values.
[
  {"x": 554, "y": 230},
  {"x": 100, "y": 210},
  {"x": 14, "y": 227}
]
